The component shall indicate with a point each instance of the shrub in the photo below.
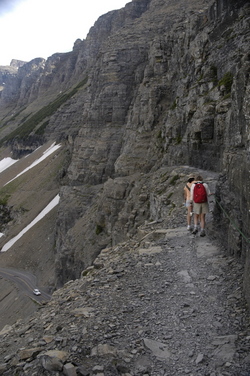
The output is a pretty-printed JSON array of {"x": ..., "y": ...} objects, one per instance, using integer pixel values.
[
  {"x": 227, "y": 81},
  {"x": 4, "y": 200},
  {"x": 98, "y": 229}
]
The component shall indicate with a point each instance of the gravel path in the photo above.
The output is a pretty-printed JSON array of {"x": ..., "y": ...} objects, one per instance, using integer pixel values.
[
  {"x": 177, "y": 302},
  {"x": 170, "y": 304}
]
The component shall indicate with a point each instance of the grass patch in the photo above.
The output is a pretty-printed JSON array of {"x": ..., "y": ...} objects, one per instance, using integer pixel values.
[
  {"x": 99, "y": 229},
  {"x": 11, "y": 118},
  {"x": 227, "y": 81},
  {"x": 9, "y": 189},
  {"x": 227, "y": 96},
  {"x": 28, "y": 126},
  {"x": 4, "y": 199},
  {"x": 164, "y": 177},
  {"x": 40, "y": 131},
  {"x": 174, "y": 180}
]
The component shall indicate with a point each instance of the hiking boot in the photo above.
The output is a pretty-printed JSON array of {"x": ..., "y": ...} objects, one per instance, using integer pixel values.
[
  {"x": 189, "y": 228},
  {"x": 195, "y": 231},
  {"x": 202, "y": 233}
]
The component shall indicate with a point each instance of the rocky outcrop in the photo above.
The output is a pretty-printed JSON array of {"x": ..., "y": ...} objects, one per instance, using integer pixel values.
[
  {"x": 156, "y": 83},
  {"x": 17, "y": 63}
]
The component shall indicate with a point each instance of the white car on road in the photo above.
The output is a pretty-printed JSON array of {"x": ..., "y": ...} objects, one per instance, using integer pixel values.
[{"x": 36, "y": 292}]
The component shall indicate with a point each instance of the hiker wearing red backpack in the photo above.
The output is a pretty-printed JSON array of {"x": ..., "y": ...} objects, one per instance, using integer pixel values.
[{"x": 199, "y": 196}]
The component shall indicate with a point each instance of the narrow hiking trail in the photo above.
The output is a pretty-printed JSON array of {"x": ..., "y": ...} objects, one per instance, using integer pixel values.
[
  {"x": 199, "y": 321},
  {"x": 168, "y": 305}
]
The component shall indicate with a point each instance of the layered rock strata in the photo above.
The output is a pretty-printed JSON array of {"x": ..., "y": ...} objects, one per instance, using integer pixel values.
[{"x": 156, "y": 83}]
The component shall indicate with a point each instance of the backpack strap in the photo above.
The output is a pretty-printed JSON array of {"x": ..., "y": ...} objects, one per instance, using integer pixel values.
[{"x": 187, "y": 187}]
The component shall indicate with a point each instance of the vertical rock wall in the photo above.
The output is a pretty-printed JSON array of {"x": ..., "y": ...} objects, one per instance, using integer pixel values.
[{"x": 172, "y": 93}]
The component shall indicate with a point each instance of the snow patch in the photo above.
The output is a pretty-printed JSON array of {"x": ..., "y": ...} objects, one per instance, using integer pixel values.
[
  {"x": 46, "y": 153},
  {"x": 6, "y": 162},
  {"x": 45, "y": 211}
]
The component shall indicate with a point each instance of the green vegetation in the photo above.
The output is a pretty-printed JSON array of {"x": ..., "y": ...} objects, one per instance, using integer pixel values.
[
  {"x": 40, "y": 131},
  {"x": 172, "y": 208},
  {"x": 11, "y": 118},
  {"x": 4, "y": 200},
  {"x": 174, "y": 105},
  {"x": 159, "y": 135},
  {"x": 168, "y": 201},
  {"x": 17, "y": 114},
  {"x": 24, "y": 118},
  {"x": 164, "y": 177},
  {"x": 28, "y": 126},
  {"x": 98, "y": 229},
  {"x": 174, "y": 180},
  {"x": 227, "y": 96},
  {"x": 209, "y": 101},
  {"x": 178, "y": 139},
  {"x": 8, "y": 190},
  {"x": 213, "y": 70},
  {"x": 227, "y": 81}
]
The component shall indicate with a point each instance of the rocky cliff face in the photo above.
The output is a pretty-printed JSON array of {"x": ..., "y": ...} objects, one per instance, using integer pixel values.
[{"x": 157, "y": 83}]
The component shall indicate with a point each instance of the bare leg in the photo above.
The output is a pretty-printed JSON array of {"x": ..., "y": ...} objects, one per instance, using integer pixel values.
[
  {"x": 188, "y": 215},
  {"x": 196, "y": 217},
  {"x": 202, "y": 219}
]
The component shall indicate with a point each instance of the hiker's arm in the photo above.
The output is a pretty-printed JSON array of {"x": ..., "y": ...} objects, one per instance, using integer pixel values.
[
  {"x": 191, "y": 193},
  {"x": 208, "y": 190},
  {"x": 184, "y": 194}
]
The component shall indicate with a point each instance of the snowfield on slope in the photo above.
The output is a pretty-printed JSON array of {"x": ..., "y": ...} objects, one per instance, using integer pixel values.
[
  {"x": 7, "y": 162},
  {"x": 46, "y": 153},
  {"x": 45, "y": 211}
]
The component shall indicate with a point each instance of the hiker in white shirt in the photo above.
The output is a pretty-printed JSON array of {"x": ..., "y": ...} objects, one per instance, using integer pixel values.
[{"x": 187, "y": 201}]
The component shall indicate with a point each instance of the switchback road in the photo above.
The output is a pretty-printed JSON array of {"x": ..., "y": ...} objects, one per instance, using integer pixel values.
[{"x": 25, "y": 282}]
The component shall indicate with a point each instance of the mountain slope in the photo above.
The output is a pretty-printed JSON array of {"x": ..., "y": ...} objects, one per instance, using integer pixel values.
[{"x": 27, "y": 196}]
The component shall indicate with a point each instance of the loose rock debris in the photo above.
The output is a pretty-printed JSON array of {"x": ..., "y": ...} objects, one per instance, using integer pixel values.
[{"x": 171, "y": 304}]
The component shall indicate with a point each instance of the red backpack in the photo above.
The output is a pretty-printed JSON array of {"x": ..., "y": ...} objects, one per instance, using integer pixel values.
[{"x": 200, "y": 194}]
